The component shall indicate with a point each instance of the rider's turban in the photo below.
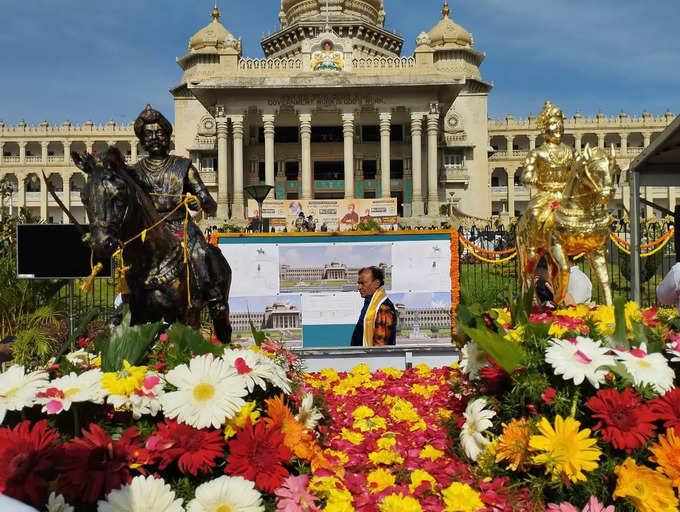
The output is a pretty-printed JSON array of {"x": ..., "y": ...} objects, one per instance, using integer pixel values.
[
  {"x": 549, "y": 110},
  {"x": 150, "y": 116}
]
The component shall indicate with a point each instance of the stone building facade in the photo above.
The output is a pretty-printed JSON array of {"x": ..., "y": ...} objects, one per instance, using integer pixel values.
[
  {"x": 333, "y": 110},
  {"x": 333, "y": 271},
  {"x": 278, "y": 315},
  {"x": 429, "y": 317}
]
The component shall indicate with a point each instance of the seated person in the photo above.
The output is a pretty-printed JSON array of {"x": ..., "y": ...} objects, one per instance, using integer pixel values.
[{"x": 545, "y": 295}]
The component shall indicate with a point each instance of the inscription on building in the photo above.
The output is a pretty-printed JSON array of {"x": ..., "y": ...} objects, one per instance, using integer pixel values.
[{"x": 325, "y": 99}]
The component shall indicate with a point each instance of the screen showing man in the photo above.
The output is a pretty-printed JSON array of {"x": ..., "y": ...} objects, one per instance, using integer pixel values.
[{"x": 377, "y": 324}]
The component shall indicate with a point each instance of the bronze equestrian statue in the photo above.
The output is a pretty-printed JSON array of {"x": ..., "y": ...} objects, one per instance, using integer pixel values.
[{"x": 123, "y": 201}]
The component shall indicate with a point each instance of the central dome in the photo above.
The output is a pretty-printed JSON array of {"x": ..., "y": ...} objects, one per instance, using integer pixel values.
[{"x": 318, "y": 10}]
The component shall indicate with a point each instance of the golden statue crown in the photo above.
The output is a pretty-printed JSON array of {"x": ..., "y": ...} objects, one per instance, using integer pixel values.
[{"x": 549, "y": 110}]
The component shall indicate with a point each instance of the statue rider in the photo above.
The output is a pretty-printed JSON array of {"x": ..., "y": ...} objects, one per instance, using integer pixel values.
[
  {"x": 168, "y": 178},
  {"x": 547, "y": 170}
]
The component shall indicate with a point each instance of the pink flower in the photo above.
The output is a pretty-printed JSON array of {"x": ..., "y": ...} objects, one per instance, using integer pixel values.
[
  {"x": 548, "y": 395},
  {"x": 595, "y": 506},
  {"x": 563, "y": 507},
  {"x": 163, "y": 338},
  {"x": 293, "y": 496}
]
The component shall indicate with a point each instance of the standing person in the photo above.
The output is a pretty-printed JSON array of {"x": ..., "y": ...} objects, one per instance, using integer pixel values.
[
  {"x": 668, "y": 290},
  {"x": 377, "y": 323},
  {"x": 579, "y": 289}
]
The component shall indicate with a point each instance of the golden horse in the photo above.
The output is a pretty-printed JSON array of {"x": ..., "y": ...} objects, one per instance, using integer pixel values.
[{"x": 579, "y": 223}]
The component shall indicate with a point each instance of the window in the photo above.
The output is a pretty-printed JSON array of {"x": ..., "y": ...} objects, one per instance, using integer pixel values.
[
  {"x": 286, "y": 134},
  {"x": 397, "y": 133},
  {"x": 396, "y": 169},
  {"x": 292, "y": 170},
  {"x": 370, "y": 169},
  {"x": 495, "y": 182},
  {"x": 333, "y": 171},
  {"x": 370, "y": 133},
  {"x": 327, "y": 134},
  {"x": 453, "y": 160},
  {"x": 208, "y": 164}
]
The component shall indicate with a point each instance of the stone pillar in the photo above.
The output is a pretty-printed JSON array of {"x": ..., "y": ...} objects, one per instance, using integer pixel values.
[
  {"x": 417, "y": 205},
  {"x": 22, "y": 151},
  {"x": 306, "y": 143},
  {"x": 43, "y": 154},
  {"x": 649, "y": 196},
  {"x": 21, "y": 193},
  {"x": 239, "y": 204},
  {"x": 508, "y": 143},
  {"x": 66, "y": 195},
  {"x": 222, "y": 167},
  {"x": 88, "y": 146},
  {"x": 625, "y": 196},
  {"x": 432, "y": 161},
  {"x": 133, "y": 151},
  {"x": 511, "y": 193},
  {"x": 577, "y": 142},
  {"x": 67, "y": 151},
  {"x": 385, "y": 125},
  {"x": 43, "y": 199},
  {"x": 348, "y": 138},
  {"x": 647, "y": 138},
  {"x": 2, "y": 152},
  {"x": 624, "y": 143},
  {"x": 532, "y": 142},
  {"x": 268, "y": 121},
  {"x": 600, "y": 139},
  {"x": 671, "y": 198}
]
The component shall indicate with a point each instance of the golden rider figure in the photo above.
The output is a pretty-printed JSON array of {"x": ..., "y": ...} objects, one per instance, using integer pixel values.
[{"x": 546, "y": 170}]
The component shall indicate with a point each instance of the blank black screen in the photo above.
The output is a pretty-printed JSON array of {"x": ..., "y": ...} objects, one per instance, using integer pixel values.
[{"x": 54, "y": 251}]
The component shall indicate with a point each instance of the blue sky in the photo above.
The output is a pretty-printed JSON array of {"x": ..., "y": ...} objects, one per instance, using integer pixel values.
[{"x": 85, "y": 59}]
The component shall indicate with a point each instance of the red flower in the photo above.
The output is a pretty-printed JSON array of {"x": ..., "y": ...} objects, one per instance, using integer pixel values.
[
  {"x": 493, "y": 376},
  {"x": 548, "y": 395},
  {"x": 257, "y": 454},
  {"x": 626, "y": 423},
  {"x": 96, "y": 464},
  {"x": 667, "y": 408},
  {"x": 194, "y": 450},
  {"x": 25, "y": 456}
]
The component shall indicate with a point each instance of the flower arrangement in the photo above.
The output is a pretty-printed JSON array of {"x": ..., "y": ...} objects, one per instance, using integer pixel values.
[
  {"x": 579, "y": 406},
  {"x": 158, "y": 421}
]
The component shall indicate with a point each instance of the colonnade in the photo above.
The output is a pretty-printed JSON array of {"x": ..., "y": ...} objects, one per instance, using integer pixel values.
[{"x": 225, "y": 137}]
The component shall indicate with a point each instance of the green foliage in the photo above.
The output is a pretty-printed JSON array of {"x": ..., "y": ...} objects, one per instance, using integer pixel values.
[
  {"x": 509, "y": 356},
  {"x": 35, "y": 342},
  {"x": 127, "y": 344},
  {"x": 184, "y": 342},
  {"x": 520, "y": 309},
  {"x": 78, "y": 332},
  {"x": 258, "y": 336},
  {"x": 19, "y": 298},
  {"x": 368, "y": 225}
]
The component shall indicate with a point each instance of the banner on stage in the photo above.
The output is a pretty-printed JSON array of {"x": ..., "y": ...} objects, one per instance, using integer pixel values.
[
  {"x": 327, "y": 214},
  {"x": 303, "y": 291}
]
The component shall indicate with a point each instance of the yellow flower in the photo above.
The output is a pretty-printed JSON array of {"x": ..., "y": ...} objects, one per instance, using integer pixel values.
[
  {"x": 513, "y": 444},
  {"x": 566, "y": 450},
  {"x": 392, "y": 372},
  {"x": 341, "y": 456},
  {"x": 353, "y": 437},
  {"x": 460, "y": 497},
  {"x": 430, "y": 452},
  {"x": 486, "y": 461},
  {"x": 515, "y": 335},
  {"x": 386, "y": 457},
  {"x": 418, "y": 477},
  {"x": 385, "y": 443},
  {"x": 423, "y": 370},
  {"x": 363, "y": 412},
  {"x": 97, "y": 362},
  {"x": 367, "y": 424},
  {"x": 239, "y": 421},
  {"x": 667, "y": 455},
  {"x": 649, "y": 490},
  {"x": 399, "y": 503},
  {"x": 379, "y": 480},
  {"x": 339, "y": 499},
  {"x": 556, "y": 331},
  {"x": 125, "y": 381},
  {"x": 403, "y": 410},
  {"x": 504, "y": 317},
  {"x": 373, "y": 384},
  {"x": 330, "y": 375},
  {"x": 424, "y": 391},
  {"x": 444, "y": 414},
  {"x": 361, "y": 369}
]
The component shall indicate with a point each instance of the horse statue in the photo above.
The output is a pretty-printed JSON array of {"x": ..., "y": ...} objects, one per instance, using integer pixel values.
[
  {"x": 119, "y": 209},
  {"x": 578, "y": 224}
]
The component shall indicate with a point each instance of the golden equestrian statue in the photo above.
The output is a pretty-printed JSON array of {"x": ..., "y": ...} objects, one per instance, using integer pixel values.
[{"x": 567, "y": 214}]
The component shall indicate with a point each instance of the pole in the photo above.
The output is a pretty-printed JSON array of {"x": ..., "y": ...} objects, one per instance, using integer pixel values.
[
  {"x": 676, "y": 225},
  {"x": 260, "y": 203},
  {"x": 71, "y": 316},
  {"x": 634, "y": 180}
]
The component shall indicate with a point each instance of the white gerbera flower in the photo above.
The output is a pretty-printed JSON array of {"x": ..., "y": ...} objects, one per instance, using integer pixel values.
[
  {"x": 647, "y": 368},
  {"x": 232, "y": 493},
  {"x": 257, "y": 369},
  {"x": 473, "y": 359},
  {"x": 585, "y": 359},
  {"x": 18, "y": 389},
  {"x": 673, "y": 349},
  {"x": 146, "y": 494},
  {"x": 308, "y": 415},
  {"x": 208, "y": 392},
  {"x": 57, "y": 503},
  {"x": 477, "y": 420},
  {"x": 61, "y": 392},
  {"x": 145, "y": 400}
]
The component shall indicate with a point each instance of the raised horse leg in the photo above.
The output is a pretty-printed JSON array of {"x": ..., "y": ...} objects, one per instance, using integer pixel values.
[
  {"x": 559, "y": 270},
  {"x": 598, "y": 263}
]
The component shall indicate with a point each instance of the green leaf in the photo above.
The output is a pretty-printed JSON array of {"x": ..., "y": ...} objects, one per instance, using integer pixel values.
[
  {"x": 77, "y": 333},
  {"x": 620, "y": 337},
  {"x": 258, "y": 336},
  {"x": 620, "y": 370},
  {"x": 190, "y": 341},
  {"x": 507, "y": 354},
  {"x": 128, "y": 344}
]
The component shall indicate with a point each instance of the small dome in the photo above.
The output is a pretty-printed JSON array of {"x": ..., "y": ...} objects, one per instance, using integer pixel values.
[
  {"x": 213, "y": 36},
  {"x": 304, "y": 10},
  {"x": 447, "y": 33}
]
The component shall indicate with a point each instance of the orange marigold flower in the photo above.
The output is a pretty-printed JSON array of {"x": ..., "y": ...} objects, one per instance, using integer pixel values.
[
  {"x": 513, "y": 444},
  {"x": 279, "y": 415},
  {"x": 667, "y": 455}
]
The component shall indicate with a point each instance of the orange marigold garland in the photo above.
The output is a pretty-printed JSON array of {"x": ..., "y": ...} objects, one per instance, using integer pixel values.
[{"x": 455, "y": 278}]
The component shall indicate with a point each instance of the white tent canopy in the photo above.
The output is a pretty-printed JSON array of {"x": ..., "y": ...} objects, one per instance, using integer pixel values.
[{"x": 657, "y": 165}]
